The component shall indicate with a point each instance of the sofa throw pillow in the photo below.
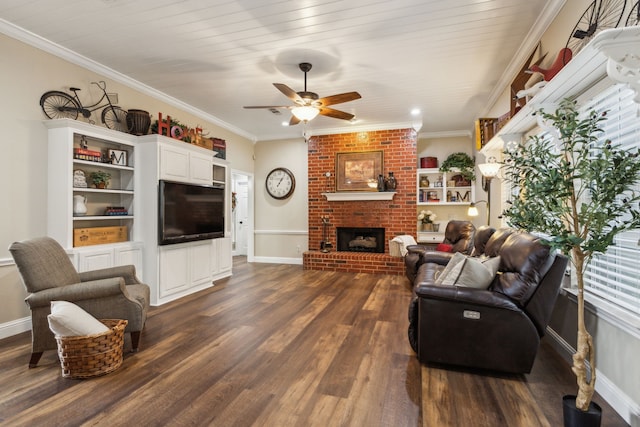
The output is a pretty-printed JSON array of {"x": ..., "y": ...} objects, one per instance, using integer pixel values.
[
  {"x": 451, "y": 271},
  {"x": 477, "y": 273},
  {"x": 69, "y": 320},
  {"x": 444, "y": 247}
]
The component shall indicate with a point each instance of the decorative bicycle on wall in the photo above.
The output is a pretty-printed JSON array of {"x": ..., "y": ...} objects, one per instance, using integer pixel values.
[
  {"x": 634, "y": 16},
  {"x": 61, "y": 105},
  {"x": 601, "y": 15}
]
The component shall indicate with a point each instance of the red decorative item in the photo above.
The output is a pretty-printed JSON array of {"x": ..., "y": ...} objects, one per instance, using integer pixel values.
[
  {"x": 443, "y": 247},
  {"x": 428, "y": 162},
  {"x": 563, "y": 57}
]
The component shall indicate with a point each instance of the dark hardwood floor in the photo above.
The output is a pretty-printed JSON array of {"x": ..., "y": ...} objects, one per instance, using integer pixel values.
[{"x": 275, "y": 345}]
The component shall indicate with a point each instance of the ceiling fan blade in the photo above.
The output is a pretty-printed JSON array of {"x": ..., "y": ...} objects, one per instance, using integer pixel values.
[
  {"x": 336, "y": 114},
  {"x": 338, "y": 99},
  {"x": 289, "y": 93},
  {"x": 294, "y": 120}
]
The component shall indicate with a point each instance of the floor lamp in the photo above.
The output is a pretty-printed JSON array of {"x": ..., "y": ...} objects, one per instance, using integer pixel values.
[
  {"x": 473, "y": 210},
  {"x": 488, "y": 171}
]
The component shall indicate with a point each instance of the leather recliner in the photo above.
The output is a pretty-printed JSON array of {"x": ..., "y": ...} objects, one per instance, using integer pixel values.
[
  {"x": 498, "y": 328},
  {"x": 458, "y": 234}
]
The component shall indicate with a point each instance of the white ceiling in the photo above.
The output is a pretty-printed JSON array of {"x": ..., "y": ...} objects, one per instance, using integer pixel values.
[{"x": 449, "y": 58}]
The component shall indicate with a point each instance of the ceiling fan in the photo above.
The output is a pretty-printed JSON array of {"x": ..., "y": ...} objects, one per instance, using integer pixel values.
[{"x": 308, "y": 104}]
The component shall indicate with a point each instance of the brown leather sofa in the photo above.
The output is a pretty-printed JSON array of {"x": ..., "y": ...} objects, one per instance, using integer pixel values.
[
  {"x": 498, "y": 328},
  {"x": 458, "y": 234}
]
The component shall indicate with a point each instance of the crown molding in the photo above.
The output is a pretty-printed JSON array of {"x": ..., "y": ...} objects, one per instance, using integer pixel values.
[
  {"x": 55, "y": 49},
  {"x": 335, "y": 131},
  {"x": 446, "y": 134},
  {"x": 532, "y": 38}
]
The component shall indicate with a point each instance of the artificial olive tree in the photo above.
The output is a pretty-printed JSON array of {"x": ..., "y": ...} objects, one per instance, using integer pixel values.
[{"x": 579, "y": 192}]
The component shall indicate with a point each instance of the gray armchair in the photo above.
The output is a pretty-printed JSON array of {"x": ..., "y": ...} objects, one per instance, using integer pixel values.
[{"x": 48, "y": 275}]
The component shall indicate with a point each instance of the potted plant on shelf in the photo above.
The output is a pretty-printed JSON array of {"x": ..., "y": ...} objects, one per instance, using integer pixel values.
[
  {"x": 578, "y": 191},
  {"x": 427, "y": 219},
  {"x": 460, "y": 162},
  {"x": 100, "y": 179}
]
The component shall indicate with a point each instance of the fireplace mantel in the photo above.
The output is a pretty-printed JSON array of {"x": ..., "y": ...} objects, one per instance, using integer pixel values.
[{"x": 344, "y": 196}]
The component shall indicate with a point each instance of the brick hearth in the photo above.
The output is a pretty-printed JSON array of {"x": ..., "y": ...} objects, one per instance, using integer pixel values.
[
  {"x": 397, "y": 216},
  {"x": 353, "y": 262}
]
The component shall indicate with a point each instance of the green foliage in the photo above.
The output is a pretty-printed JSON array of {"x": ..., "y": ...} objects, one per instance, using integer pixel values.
[
  {"x": 462, "y": 162},
  {"x": 100, "y": 177},
  {"x": 576, "y": 190},
  {"x": 154, "y": 128}
]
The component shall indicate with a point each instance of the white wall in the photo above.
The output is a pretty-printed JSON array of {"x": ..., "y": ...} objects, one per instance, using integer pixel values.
[
  {"x": 27, "y": 73},
  {"x": 281, "y": 225}
]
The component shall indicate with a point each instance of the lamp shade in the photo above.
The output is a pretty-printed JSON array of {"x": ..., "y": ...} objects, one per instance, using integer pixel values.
[
  {"x": 305, "y": 113},
  {"x": 473, "y": 209},
  {"x": 489, "y": 170}
]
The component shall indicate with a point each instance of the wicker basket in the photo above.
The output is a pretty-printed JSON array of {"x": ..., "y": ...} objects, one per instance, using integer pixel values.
[{"x": 92, "y": 355}]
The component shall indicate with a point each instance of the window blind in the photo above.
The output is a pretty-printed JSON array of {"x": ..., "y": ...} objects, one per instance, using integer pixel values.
[{"x": 614, "y": 275}]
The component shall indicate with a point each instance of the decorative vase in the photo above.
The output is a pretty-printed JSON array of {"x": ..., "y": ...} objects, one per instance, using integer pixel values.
[
  {"x": 79, "y": 205},
  {"x": 101, "y": 185},
  {"x": 391, "y": 183},
  {"x": 138, "y": 122},
  {"x": 427, "y": 226},
  {"x": 381, "y": 183},
  {"x": 574, "y": 417}
]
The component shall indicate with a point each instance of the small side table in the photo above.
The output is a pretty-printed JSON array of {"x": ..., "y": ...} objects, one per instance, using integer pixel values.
[{"x": 429, "y": 238}]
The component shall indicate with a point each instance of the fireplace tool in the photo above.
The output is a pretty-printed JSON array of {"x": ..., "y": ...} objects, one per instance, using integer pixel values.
[{"x": 325, "y": 245}]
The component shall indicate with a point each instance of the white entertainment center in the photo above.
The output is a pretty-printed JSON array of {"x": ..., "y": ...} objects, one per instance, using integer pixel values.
[{"x": 172, "y": 271}]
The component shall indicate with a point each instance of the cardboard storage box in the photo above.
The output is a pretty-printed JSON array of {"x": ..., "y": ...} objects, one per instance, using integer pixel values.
[
  {"x": 203, "y": 142},
  {"x": 99, "y": 235}
]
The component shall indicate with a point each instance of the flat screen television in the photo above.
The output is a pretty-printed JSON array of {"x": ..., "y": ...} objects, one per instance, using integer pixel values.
[{"x": 189, "y": 212}]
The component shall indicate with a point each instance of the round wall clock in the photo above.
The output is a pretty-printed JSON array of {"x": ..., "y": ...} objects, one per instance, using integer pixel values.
[{"x": 280, "y": 183}]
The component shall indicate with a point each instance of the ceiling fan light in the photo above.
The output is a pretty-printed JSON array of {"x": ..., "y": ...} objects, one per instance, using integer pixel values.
[{"x": 305, "y": 113}]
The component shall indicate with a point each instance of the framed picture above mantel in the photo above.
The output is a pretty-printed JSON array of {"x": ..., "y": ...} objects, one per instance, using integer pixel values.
[{"x": 358, "y": 171}]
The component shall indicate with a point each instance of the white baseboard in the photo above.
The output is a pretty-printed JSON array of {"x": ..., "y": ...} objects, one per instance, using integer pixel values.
[
  {"x": 619, "y": 401},
  {"x": 15, "y": 327},
  {"x": 277, "y": 260}
]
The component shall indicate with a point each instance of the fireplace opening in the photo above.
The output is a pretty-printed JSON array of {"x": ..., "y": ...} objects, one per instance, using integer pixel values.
[{"x": 360, "y": 239}]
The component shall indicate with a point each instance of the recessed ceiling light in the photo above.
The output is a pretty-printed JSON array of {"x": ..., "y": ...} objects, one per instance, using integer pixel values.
[
  {"x": 415, "y": 112},
  {"x": 285, "y": 123}
]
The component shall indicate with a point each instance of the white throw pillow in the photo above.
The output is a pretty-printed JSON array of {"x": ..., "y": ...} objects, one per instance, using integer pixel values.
[
  {"x": 451, "y": 271},
  {"x": 478, "y": 273},
  {"x": 69, "y": 320}
]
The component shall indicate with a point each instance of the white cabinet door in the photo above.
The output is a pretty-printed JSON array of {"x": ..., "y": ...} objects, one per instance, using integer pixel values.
[
  {"x": 174, "y": 270},
  {"x": 174, "y": 163},
  {"x": 95, "y": 259},
  {"x": 225, "y": 259},
  {"x": 130, "y": 256},
  {"x": 200, "y": 168},
  {"x": 200, "y": 258},
  {"x": 181, "y": 164}
]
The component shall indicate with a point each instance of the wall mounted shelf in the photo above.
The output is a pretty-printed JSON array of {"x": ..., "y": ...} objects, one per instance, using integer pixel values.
[
  {"x": 347, "y": 196},
  {"x": 585, "y": 70}
]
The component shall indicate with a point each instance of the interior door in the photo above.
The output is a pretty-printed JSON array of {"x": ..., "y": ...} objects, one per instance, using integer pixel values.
[{"x": 241, "y": 218}]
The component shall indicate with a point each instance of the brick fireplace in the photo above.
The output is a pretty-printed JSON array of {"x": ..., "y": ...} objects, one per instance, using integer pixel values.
[{"x": 396, "y": 216}]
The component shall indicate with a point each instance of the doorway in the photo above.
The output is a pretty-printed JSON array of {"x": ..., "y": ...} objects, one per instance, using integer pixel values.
[{"x": 242, "y": 214}]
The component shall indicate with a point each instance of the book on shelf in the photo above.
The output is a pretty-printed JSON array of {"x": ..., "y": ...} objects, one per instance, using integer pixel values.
[
  {"x": 115, "y": 211},
  {"x": 85, "y": 154}
]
